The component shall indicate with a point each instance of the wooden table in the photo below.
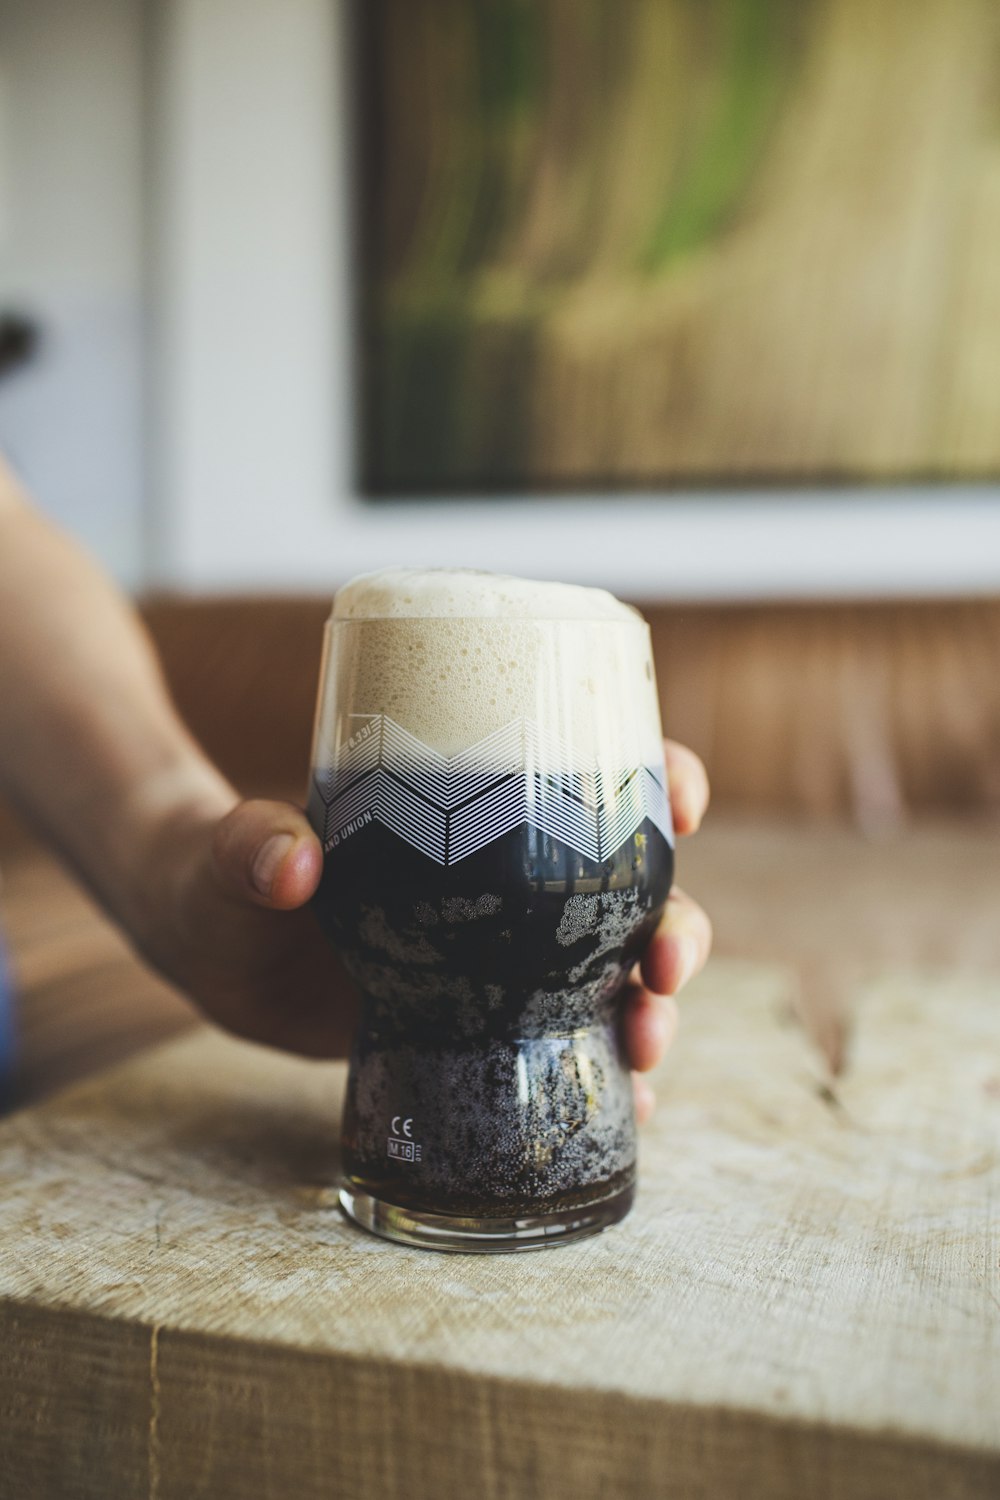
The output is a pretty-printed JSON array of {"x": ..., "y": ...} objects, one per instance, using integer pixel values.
[{"x": 805, "y": 1301}]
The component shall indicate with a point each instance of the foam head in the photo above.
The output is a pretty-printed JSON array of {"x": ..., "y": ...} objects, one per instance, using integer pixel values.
[
  {"x": 453, "y": 656},
  {"x": 466, "y": 593}
]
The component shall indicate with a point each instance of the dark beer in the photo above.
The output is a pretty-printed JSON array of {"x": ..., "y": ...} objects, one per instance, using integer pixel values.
[
  {"x": 488, "y": 1077},
  {"x": 488, "y": 785}
]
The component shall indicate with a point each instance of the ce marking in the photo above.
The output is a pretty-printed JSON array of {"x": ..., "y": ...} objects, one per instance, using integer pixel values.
[{"x": 407, "y": 1129}]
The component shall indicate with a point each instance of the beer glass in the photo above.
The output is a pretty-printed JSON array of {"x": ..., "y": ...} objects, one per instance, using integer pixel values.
[{"x": 489, "y": 788}]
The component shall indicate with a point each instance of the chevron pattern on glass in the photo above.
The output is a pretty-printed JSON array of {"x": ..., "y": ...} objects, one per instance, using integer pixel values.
[{"x": 451, "y": 807}]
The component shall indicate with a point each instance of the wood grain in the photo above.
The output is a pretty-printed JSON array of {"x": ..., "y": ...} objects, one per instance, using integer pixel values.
[{"x": 805, "y": 1299}]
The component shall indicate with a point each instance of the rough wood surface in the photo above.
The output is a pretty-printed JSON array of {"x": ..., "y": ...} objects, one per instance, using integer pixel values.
[{"x": 805, "y": 1301}]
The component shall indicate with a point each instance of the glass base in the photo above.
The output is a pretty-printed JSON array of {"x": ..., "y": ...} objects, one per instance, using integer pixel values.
[{"x": 430, "y": 1231}]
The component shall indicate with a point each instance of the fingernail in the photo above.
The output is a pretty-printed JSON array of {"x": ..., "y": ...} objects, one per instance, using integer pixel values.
[
  {"x": 680, "y": 806},
  {"x": 267, "y": 861}
]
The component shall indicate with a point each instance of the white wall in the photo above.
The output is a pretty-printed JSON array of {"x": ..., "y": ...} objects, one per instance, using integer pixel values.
[
  {"x": 255, "y": 375},
  {"x": 250, "y": 420},
  {"x": 70, "y": 255}
]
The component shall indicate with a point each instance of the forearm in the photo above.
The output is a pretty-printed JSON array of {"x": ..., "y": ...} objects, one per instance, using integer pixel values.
[{"x": 91, "y": 748}]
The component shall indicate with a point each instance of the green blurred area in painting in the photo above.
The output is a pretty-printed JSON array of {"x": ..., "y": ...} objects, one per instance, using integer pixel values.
[
  {"x": 568, "y": 205},
  {"x": 749, "y": 66}
]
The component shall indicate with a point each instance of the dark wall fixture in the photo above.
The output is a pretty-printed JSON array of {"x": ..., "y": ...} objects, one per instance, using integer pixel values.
[{"x": 19, "y": 338}]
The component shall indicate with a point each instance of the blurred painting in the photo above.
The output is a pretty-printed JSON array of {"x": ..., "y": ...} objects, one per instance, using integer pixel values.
[{"x": 612, "y": 244}]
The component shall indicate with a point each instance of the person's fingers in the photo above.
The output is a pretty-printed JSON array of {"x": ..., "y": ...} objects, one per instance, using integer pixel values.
[
  {"x": 679, "y": 947},
  {"x": 689, "y": 789},
  {"x": 267, "y": 853},
  {"x": 648, "y": 1023},
  {"x": 645, "y": 1099}
]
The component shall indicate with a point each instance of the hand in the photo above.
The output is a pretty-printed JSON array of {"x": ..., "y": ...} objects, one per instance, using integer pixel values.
[
  {"x": 229, "y": 926},
  {"x": 679, "y": 947}
]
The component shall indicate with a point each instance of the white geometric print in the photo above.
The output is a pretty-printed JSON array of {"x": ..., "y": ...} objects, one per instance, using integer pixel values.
[{"x": 449, "y": 807}]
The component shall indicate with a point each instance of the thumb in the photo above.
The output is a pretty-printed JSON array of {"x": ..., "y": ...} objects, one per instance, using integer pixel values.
[{"x": 267, "y": 853}]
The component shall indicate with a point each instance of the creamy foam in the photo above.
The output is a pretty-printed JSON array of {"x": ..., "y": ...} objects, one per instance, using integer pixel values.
[
  {"x": 454, "y": 656},
  {"x": 465, "y": 593}
]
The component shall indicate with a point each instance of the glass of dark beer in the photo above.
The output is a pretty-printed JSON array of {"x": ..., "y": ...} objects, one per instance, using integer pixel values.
[{"x": 488, "y": 784}]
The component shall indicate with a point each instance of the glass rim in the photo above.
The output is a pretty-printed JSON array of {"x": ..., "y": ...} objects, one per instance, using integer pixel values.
[{"x": 639, "y": 619}]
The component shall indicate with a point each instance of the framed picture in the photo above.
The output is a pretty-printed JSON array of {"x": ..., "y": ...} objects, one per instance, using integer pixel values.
[
  {"x": 696, "y": 300},
  {"x": 656, "y": 244}
]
